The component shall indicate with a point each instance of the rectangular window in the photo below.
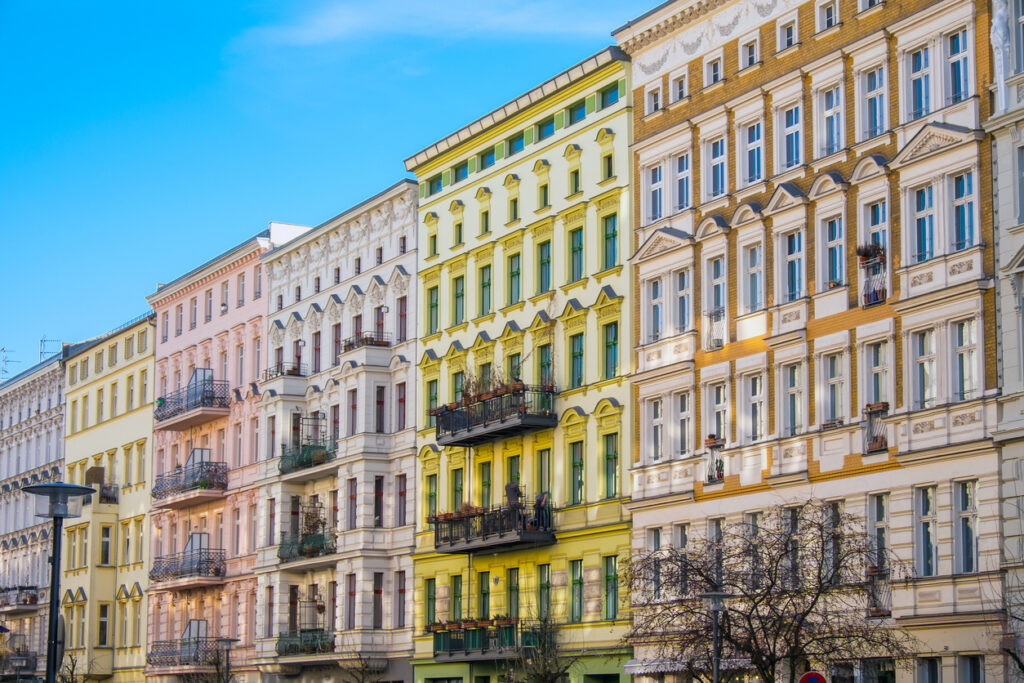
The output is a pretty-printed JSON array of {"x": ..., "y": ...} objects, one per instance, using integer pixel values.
[
  {"x": 403, "y": 319},
  {"x": 655, "y": 190},
  {"x": 657, "y": 427},
  {"x": 485, "y": 222},
  {"x": 430, "y": 606},
  {"x": 106, "y": 533},
  {"x": 793, "y": 245},
  {"x": 963, "y": 211},
  {"x": 835, "y": 252},
  {"x": 610, "y": 233},
  {"x": 512, "y": 593},
  {"x": 752, "y": 155},
  {"x": 577, "y": 112},
  {"x": 431, "y": 402},
  {"x": 576, "y": 468},
  {"x": 378, "y": 501},
  {"x": 353, "y": 412},
  {"x": 924, "y": 224},
  {"x": 682, "y": 435},
  {"x": 544, "y": 365},
  {"x": 718, "y": 179},
  {"x": 828, "y": 15},
  {"x": 653, "y": 101},
  {"x": 458, "y": 300},
  {"x": 431, "y": 495},
  {"x": 682, "y": 182},
  {"x": 877, "y": 372},
  {"x": 611, "y": 587},
  {"x": 611, "y": 465},
  {"x": 432, "y": 310},
  {"x": 972, "y": 669},
  {"x": 655, "y": 308},
  {"x": 575, "y": 254},
  {"x": 792, "y": 383},
  {"x": 679, "y": 88},
  {"x": 682, "y": 307},
  {"x": 544, "y": 470},
  {"x": 576, "y": 591},
  {"x": 874, "y": 102},
  {"x": 957, "y": 63},
  {"x": 458, "y": 385},
  {"x": 831, "y": 124},
  {"x": 924, "y": 380},
  {"x": 920, "y": 83},
  {"x": 400, "y": 406},
  {"x": 353, "y": 503},
  {"x": 878, "y": 528},
  {"x": 748, "y": 54},
  {"x": 611, "y": 350},
  {"x": 965, "y": 383},
  {"x": 455, "y": 610},
  {"x": 544, "y": 266},
  {"x": 965, "y": 494},
  {"x": 546, "y": 128},
  {"x": 719, "y": 410},
  {"x": 378, "y": 600},
  {"x": 834, "y": 388},
  {"x": 574, "y": 182},
  {"x": 787, "y": 35},
  {"x": 485, "y": 290},
  {"x": 753, "y": 264},
  {"x": 486, "y": 493},
  {"x": 103, "y": 634},
  {"x": 514, "y": 279},
  {"x": 576, "y": 361},
  {"x": 484, "y": 595},
  {"x": 713, "y": 71},
  {"x": 543, "y": 196},
  {"x": 791, "y": 137},
  {"x": 543, "y": 591},
  {"x": 609, "y": 96},
  {"x": 399, "y": 601},
  {"x": 515, "y": 144},
  {"x": 755, "y": 407},
  {"x": 926, "y": 531}
]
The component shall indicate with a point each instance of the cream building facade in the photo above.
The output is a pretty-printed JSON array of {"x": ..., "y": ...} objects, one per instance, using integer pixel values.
[
  {"x": 337, "y": 489},
  {"x": 109, "y": 409},
  {"x": 815, "y": 272}
]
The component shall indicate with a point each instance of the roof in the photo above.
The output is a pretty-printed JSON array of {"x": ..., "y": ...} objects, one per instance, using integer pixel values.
[
  {"x": 71, "y": 350},
  {"x": 55, "y": 358},
  {"x": 612, "y": 53},
  {"x": 190, "y": 274},
  {"x": 653, "y": 10}
]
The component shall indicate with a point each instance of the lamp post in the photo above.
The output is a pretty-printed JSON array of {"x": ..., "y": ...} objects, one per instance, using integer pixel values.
[
  {"x": 716, "y": 605},
  {"x": 56, "y": 501},
  {"x": 226, "y": 643}
]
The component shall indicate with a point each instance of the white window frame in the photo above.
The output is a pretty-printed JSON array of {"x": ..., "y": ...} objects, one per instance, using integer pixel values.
[
  {"x": 752, "y": 284},
  {"x": 655, "y": 290},
  {"x": 682, "y": 181},
  {"x": 717, "y": 283},
  {"x": 754, "y": 413},
  {"x": 831, "y": 102},
  {"x": 834, "y": 264},
  {"x": 752, "y": 140},
  {"x": 745, "y": 53},
  {"x": 679, "y": 87},
  {"x": 833, "y": 371},
  {"x": 878, "y": 95},
  {"x": 654, "y": 195},
  {"x": 926, "y": 526},
  {"x": 923, "y": 75},
  {"x": 962, "y": 207},
  {"x": 924, "y": 363},
  {"x": 653, "y": 102},
  {"x": 965, "y": 526},
  {"x": 790, "y": 132},
  {"x": 792, "y": 289},
  {"x": 878, "y": 526},
  {"x": 876, "y": 370},
  {"x": 718, "y": 409},
  {"x": 714, "y": 65},
  {"x": 792, "y": 413},
  {"x": 782, "y": 32},
  {"x": 683, "y": 404},
  {"x": 922, "y": 216},
  {"x": 715, "y": 162},
  {"x": 682, "y": 309},
  {"x": 656, "y": 435},
  {"x": 964, "y": 347},
  {"x": 957, "y": 62},
  {"x": 824, "y": 19}
]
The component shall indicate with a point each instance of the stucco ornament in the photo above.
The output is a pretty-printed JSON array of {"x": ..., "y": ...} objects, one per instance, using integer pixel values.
[
  {"x": 403, "y": 211},
  {"x": 999, "y": 34}
]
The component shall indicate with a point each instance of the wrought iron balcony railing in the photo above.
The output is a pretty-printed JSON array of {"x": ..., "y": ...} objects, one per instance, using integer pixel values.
[
  {"x": 496, "y": 415},
  {"x": 203, "y": 394},
  {"x": 484, "y": 639},
  {"x": 879, "y": 592},
  {"x": 374, "y": 338},
  {"x": 185, "y": 652},
  {"x": 19, "y": 663},
  {"x": 304, "y": 456},
  {"x": 315, "y": 641},
  {"x": 499, "y": 528},
  {"x": 197, "y": 476},
  {"x": 202, "y": 563},
  {"x": 874, "y": 291},
  {"x": 286, "y": 369},
  {"x": 106, "y": 494},
  {"x": 875, "y": 438},
  {"x": 716, "y": 328},
  {"x": 297, "y": 546},
  {"x": 14, "y": 598}
]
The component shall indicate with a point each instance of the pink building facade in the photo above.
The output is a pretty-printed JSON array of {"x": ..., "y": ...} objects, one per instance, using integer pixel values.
[{"x": 207, "y": 447}]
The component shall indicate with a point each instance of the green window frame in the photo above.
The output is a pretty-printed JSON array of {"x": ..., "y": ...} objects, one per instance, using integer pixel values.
[
  {"x": 546, "y": 128},
  {"x": 610, "y": 231},
  {"x": 460, "y": 172},
  {"x": 607, "y": 166},
  {"x": 434, "y": 185},
  {"x": 577, "y": 111},
  {"x": 513, "y": 209},
  {"x": 576, "y": 364},
  {"x": 456, "y": 610},
  {"x": 575, "y": 254},
  {"x": 431, "y": 402},
  {"x": 611, "y": 465},
  {"x": 458, "y": 385},
  {"x": 514, "y": 363},
  {"x": 611, "y": 587},
  {"x": 543, "y": 196},
  {"x": 544, "y": 471},
  {"x": 430, "y": 588},
  {"x": 486, "y": 495},
  {"x": 544, "y": 366},
  {"x": 609, "y": 95},
  {"x": 459, "y": 299},
  {"x": 514, "y": 274},
  {"x": 487, "y": 158},
  {"x": 512, "y": 592},
  {"x": 485, "y": 222},
  {"x": 543, "y": 590},
  {"x": 485, "y": 290},
  {"x": 516, "y": 143},
  {"x": 457, "y": 233},
  {"x": 432, "y": 244},
  {"x": 611, "y": 350},
  {"x": 576, "y": 468},
  {"x": 544, "y": 267},
  {"x": 574, "y": 181},
  {"x": 432, "y": 310},
  {"x": 576, "y": 591},
  {"x": 431, "y": 495},
  {"x": 484, "y": 603},
  {"x": 514, "y": 472},
  {"x": 458, "y": 491}
]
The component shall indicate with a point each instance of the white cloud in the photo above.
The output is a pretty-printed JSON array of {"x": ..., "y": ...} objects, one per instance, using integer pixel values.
[{"x": 346, "y": 19}]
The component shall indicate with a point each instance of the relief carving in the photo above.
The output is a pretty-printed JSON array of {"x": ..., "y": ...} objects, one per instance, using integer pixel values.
[
  {"x": 961, "y": 267},
  {"x": 923, "y": 427},
  {"x": 921, "y": 278}
]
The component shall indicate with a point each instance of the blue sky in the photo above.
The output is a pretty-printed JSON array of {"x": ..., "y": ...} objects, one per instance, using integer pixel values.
[{"x": 141, "y": 138}]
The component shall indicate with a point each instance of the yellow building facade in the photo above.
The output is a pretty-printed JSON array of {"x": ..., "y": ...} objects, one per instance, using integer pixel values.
[
  {"x": 109, "y": 432},
  {"x": 524, "y": 403}
]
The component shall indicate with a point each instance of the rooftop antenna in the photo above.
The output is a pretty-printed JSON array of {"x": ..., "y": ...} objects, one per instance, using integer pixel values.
[
  {"x": 3, "y": 363},
  {"x": 43, "y": 344}
]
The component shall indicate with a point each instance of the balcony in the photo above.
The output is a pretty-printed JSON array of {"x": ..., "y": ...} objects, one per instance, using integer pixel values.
[
  {"x": 510, "y": 527},
  {"x": 286, "y": 370},
  {"x": 203, "y": 400},
  {"x": 184, "y": 652},
  {"x": 305, "y": 641},
  {"x": 19, "y": 663},
  {"x": 879, "y": 593},
  {"x": 305, "y": 457},
  {"x": 376, "y": 338},
  {"x": 715, "y": 329},
  {"x": 199, "y": 481},
  {"x": 872, "y": 260},
  {"x": 483, "y": 640},
  {"x": 306, "y": 546},
  {"x": 875, "y": 439},
  {"x": 106, "y": 494},
  {"x": 189, "y": 569},
  {"x": 492, "y": 416},
  {"x": 18, "y": 600}
]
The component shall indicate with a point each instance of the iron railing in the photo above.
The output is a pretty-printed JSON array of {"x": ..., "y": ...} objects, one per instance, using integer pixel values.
[
  {"x": 714, "y": 335},
  {"x": 185, "y": 652},
  {"x": 286, "y": 369},
  {"x": 206, "y": 562},
  {"x": 879, "y": 593},
  {"x": 715, "y": 469},
  {"x": 875, "y": 438},
  {"x": 528, "y": 406},
  {"x": 107, "y": 494},
  {"x": 200, "y": 475},
  {"x": 203, "y": 394},
  {"x": 374, "y": 338},
  {"x": 296, "y": 546},
  {"x": 480, "y": 525},
  {"x": 485, "y": 640},
  {"x": 11, "y": 596},
  {"x": 304, "y": 456},
  {"x": 316, "y": 641},
  {"x": 875, "y": 291}
]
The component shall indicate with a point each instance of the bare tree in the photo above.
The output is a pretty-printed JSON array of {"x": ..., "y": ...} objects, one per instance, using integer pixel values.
[
  {"x": 806, "y": 586},
  {"x": 68, "y": 672},
  {"x": 359, "y": 668},
  {"x": 539, "y": 658}
]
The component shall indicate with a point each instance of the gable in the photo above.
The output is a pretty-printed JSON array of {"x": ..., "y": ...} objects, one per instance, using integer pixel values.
[
  {"x": 932, "y": 139},
  {"x": 661, "y": 241}
]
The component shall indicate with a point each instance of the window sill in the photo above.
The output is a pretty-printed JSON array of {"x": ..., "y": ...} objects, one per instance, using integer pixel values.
[
  {"x": 795, "y": 173},
  {"x": 787, "y": 50},
  {"x": 610, "y": 180},
  {"x": 708, "y": 87},
  {"x": 867, "y": 11},
  {"x": 756, "y": 187},
  {"x": 716, "y": 203},
  {"x": 835, "y": 158},
  {"x": 511, "y": 308},
  {"x": 536, "y": 298},
  {"x": 834, "y": 28},
  {"x": 430, "y": 338},
  {"x": 608, "y": 273},
  {"x": 576, "y": 284},
  {"x": 575, "y": 195},
  {"x": 868, "y": 144},
  {"x": 541, "y": 210},
  {"x": 750, "y": 68},
  {"x": 654, "y": 114},
  {"x": 513, "y": 223},
  {"x": 676, "y": 103},
  {"x": 485, "y": 318}
]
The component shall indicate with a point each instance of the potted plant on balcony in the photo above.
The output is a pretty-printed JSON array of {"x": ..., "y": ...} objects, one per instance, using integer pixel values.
[
  {"x": 204, "y": 483},
  {"x": 436, "y": 627},
  {"x": 503, "y": 620},
  {"x": 879, "y": 443},
  {"x": 318, "y": 455},
  {"x": 467, "y": 623},
  {"x": 713, "y": 441},
  {"x": 720, "y": 469},
  {"x": 870, "y": 252},
  {"x": 483, "y": 623},
  {"x": 877, "y": 407}
]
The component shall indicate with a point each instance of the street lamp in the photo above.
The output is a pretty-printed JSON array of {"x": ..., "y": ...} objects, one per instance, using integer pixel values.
[
  {"x": 716, "y": 605},
  {"x": 56, "y": 501},
  {"x": 226, "y": 643}
]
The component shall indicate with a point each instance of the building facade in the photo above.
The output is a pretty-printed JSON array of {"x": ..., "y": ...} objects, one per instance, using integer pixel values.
[
  {"x": 1005, "y": 125},
  {"x": 523, "y": 400},
  {"x": 31, "y": 452},
  {"x": 815, "y": 271},
  {"x": 206, "y": 452},
  {"x": 337, "y": 487},
  {"x": 109, "y": 409}
]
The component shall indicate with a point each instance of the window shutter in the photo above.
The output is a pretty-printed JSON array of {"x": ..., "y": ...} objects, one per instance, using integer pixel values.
[
  {"x": 591, "y": 103},
  {"x": 472, "y": 165},
  {"x": 559, "y": 120},
  {"x": 622, "y": 89},
  {"x": 528, "y": 135},
  {"x": 446, "y": 178},
  {"x": 499, "y": 151},
  {"x": 423, "y": 190}
]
